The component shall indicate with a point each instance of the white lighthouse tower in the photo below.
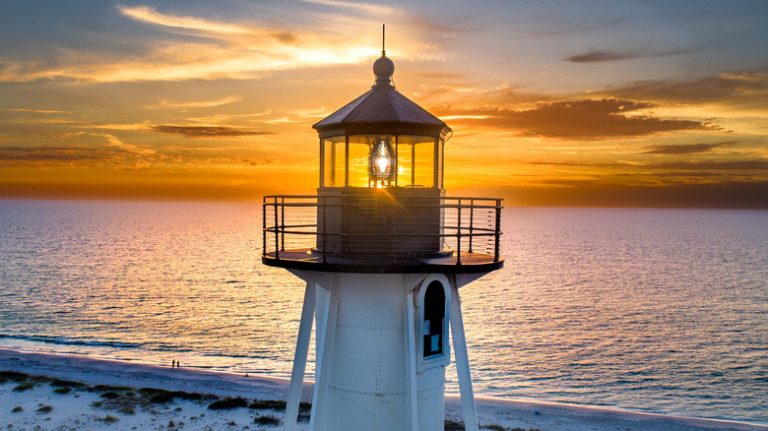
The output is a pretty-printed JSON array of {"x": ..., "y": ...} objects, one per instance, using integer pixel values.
[{"x": 383, "y": 252}]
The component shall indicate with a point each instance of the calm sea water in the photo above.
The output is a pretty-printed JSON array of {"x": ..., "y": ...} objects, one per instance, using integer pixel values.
[{"x": 655, "y": 310}]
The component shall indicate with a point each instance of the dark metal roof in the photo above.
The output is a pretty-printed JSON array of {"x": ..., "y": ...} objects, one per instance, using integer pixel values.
[{"x": 382, "y": 109}]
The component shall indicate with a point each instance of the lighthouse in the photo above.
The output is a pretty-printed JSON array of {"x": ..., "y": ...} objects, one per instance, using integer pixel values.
[{"x": 384, "y": 252}]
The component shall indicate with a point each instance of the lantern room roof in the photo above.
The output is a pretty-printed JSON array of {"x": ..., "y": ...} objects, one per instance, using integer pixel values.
[{"x": 382, "y": 109}]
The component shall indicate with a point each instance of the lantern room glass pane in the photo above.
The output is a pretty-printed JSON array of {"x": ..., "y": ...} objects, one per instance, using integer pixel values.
[
  {"x": 404, "y": 161},
  {"x": 425, "y": 164},
  {"x": 333, "y": 163},
  {"x": 372, "y": 160},
  {"x": 358, "y": 162},
  {"x": 416, "y": 161}
]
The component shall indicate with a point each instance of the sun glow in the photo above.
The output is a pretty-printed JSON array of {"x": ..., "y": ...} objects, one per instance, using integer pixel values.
[{"x": 185, "y": 101}]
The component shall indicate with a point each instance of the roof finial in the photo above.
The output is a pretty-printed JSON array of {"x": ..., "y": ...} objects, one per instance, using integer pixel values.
[
  {"x": 383, "y": 40},
  {"x": 383, "y": 67}
]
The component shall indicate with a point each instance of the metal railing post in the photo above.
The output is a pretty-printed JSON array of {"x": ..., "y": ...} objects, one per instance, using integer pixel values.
[
  {"x": 471, "y": 222},
  {"x": 277, "y": 235},
  {"x": 458, "y": 235},
  {"x": 497, "y": 231},
  {"x": 264, "y": 226},
  {"x": 282, "y": 223}
]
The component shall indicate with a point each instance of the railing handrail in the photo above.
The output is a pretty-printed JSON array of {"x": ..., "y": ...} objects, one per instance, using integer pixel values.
[
  {"x": 456, "y": 198},
  {"x": 342, "y": 205}
]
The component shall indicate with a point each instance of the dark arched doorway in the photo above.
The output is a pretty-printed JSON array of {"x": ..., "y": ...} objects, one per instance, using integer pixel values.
[{"x": 434, "y": 316}]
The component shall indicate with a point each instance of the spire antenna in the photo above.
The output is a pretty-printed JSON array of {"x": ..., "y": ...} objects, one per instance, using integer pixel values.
[{"x": 383, "y": 39}]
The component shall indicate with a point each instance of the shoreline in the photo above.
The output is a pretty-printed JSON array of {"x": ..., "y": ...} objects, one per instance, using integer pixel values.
[{"x": 507, "y": 413}]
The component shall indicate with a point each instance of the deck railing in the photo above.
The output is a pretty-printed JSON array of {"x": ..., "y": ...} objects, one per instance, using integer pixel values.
[{"x": 467, "y": 225}]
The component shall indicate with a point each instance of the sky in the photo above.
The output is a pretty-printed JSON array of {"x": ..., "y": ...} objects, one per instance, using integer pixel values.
[{"x": 588, "y": 103}]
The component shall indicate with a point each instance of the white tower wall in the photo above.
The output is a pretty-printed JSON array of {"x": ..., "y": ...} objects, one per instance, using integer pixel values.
[{"x": 368, "y": 360}]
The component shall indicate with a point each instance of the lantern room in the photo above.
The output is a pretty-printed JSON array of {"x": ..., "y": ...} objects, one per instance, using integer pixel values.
[{"x": 382, "y": 139}]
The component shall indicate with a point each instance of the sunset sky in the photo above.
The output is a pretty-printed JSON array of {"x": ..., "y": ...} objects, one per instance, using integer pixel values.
[{"x": 618, "y": 103}]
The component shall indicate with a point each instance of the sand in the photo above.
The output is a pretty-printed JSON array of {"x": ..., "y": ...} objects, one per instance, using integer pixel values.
[{"x": 76, "y": 410}]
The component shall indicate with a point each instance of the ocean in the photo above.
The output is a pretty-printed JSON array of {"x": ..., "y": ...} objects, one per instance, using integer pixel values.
[{"x": 659, "y": 310}]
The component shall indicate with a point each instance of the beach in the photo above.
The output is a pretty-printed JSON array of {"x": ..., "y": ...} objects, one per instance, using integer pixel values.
[{"x": 114, "y": 395}]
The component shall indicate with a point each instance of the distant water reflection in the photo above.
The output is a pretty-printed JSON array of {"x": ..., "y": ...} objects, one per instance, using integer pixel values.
[{"x": 659, "y": 310}]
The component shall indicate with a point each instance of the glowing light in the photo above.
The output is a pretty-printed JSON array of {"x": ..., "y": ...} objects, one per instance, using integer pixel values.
[{"x": 380, "y": 163}]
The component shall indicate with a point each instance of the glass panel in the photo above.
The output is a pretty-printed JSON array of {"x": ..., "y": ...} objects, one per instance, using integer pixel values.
[
  {"x": 371, "y": 160},
  {"x": 359, "y": 147},
  {"x": 404, "y": 161},
  {"x": 421, "y": 173},
  {"x": 425, "y": 164},
  {"x": 333, "y": 166}
]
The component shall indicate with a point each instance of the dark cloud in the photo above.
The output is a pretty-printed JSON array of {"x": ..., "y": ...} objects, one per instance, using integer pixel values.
[
  {"x": 751, "y": 164},
  {"x": 722, "y": 194},
  {"x": 578, "y": 164},
  {"x": 284, "y": 36},
  {"x": 684, "y": 165},
  {"x": 580, "y": 119},
  {"x": 683, "y": 174},
  {"x": 601, "y": 56},
  {"x": 257, "y": 161},
  {"x": 206, "y": 131},
  {"x": 744, "y": 89},
  {"x": 686, "y": 148},
  {"x": 51, "y": 154}
]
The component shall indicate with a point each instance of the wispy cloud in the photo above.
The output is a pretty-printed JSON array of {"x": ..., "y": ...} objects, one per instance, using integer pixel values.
[
  {"x": 242, "y": 48},
  {"x": 603, "y": 56},
  {"x": 687, "y": 148},
  {"x": 206, "y": 131},
  {"x": 203, "y": 26},
  {"x": 219, "y": 50},
  {"x": 169, "y": 104},
  {"x": 152, "y": 16},
  {"x": 35, "y": 111},
  {"x": 361, "y": 6},
  {"x": 114, "y": 141}
]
